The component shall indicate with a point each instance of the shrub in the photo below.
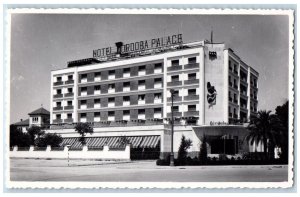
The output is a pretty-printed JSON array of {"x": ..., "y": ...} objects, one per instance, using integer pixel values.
[
  {"x": 182, "y": 152},
  {"x": 51, "y": 139},
  {"x": 203, "y": 151}
]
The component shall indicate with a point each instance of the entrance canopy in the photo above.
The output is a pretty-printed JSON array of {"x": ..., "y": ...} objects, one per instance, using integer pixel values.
[{"x": 114, "y": 142}]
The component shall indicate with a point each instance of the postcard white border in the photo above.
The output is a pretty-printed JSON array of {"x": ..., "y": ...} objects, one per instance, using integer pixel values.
[{"x": 147, "y": 185}]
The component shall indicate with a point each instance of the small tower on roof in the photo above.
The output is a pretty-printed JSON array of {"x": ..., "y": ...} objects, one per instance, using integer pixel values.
[{"x": 39, "y": 117}]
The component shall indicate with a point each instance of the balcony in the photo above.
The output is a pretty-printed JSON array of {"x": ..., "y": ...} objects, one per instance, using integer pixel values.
[
  {"x": 111, "y": 118},
  {"x": 97, "y": 78},
  {"x": 58, "y": 96},
  {"x": 126, "y": 103},
  {"x": 69, "y": 82},
  {"x": 236, "y": 87},
  {"x": 230, "y": 99},
  {"x": 83, "y": 93},
  {"x": 230, "y": 115},
  {"x": 235, "y": 72},
  {"x": 126, "y": 74},
  {"x": 235, "y": 101},
  {"x": 158, "y": 70},
  {"x": 141, "y": 116},
  {"x": 157, "y": 101},
  {"x": 68, "y": 107},
  {"x": 57, "y": 121},
  {"x": 175, "y": 83},
  {"x": 58, "y": 83},
  {"x": 244, "y": 106},
  {"x": 58, "y": 108},
  {"x": 68, "y": 120},
  {"x": 126, "y": 89},
  {"x": 191, "y": 81},
  {"x": 158, "y": 85},
  {"x": 111, "y": 76},
  {"x": 190, "y": 66},
  {"x": 83, "y": 80},
  {"x": 174, "y": 68},
  {"x": 70, "y": 94},
  {"x": 191, "y": 97},
  {"x": 157, "y": 115},
  {"x": 175, "y": 99},
  {"x": 97, "y": 119},
  {"x": 141, "y": 87},
  {"x": 82, "y": 119},
  {"x": 111, "y": 104},
  {"x": 191, "y": 113},
  {"x": 112, "y": 90},
  {"x": 126, "y": 117},
  {"x": 141, "y": 102},
  {"x": 97, "y": 105},
  {"x": 142, "y": 72},
  {"x": 176, "y": 114},
  {"x": 97, "y": 92},
  {"x": 83, "y": 106},
  {"x": 235, "y": 116}
]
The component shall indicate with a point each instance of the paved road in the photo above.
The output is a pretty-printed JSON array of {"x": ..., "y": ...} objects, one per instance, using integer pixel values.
[{"x": 146, "y": 171}]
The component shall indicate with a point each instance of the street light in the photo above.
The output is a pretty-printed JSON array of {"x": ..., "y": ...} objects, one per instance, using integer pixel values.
[{"x": 172, "y": 129}]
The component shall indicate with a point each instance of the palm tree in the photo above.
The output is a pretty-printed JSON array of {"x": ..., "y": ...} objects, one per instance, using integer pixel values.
[
  {"x": 264, "y": 128},
  {"x": 83, "y": 129}
]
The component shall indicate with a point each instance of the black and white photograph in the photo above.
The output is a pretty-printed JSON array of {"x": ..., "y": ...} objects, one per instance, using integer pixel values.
[{"x": 150, "y": 98}]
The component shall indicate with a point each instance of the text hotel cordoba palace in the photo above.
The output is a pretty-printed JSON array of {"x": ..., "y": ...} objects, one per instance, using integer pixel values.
[{"x": 124, "y": 92}]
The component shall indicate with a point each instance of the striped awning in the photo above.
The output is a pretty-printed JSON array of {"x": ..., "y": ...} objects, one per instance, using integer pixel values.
[{"x": 114, "y": 142}]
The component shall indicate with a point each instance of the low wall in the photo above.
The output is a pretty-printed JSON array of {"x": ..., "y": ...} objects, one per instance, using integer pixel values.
[{"x": 104, "y": 154}]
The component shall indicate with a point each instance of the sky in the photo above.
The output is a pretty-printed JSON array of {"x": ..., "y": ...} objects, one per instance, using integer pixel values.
[{"x": 44, "y": 42}]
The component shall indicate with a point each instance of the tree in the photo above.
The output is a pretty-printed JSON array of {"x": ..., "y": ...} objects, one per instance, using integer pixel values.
[
  {"x": 282, "y": 113},
  {"x": 18, "y": 138},
  {"x": 203, "y": 151},
  {"x": 263, "y": 129},
  {"x": 34, "y": 132},
  {"x": 184, "y": 146},
  {"x": 83, "y": 128},
  {"x": 51, "y": 139}
]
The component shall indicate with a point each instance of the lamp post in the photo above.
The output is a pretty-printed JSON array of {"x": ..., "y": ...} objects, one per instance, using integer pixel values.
[{"x": 172, "y": 129}]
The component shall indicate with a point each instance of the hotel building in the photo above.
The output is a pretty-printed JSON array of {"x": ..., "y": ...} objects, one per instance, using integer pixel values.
[{"x": 127, "y": 95}]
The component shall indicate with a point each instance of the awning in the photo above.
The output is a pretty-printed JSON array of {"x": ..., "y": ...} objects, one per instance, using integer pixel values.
[{"x": 114, "y": 142}]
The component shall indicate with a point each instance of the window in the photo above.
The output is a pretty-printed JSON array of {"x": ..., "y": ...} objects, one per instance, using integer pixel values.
[
  {"x": 157, "y": 80},
  {"x": 175, "y": 108},
  {"x": 111, "y": 113},
  {"x": 97, "y": 114},
  {"x": 111, "y": 100},
  {"x": 175, "y": 62},
  {"x": 83, "y": 115},
  {"x": 158, "y": 66},
  {"x": 70, "y": 77},
  {"x": 111, "y": 86},
  {"x": 97, "y": 101},
  {"x": 230, "y": 66},
  {"x": 142, "y": 68},
  {"x": 126, "y": 70},
  {"x": 111, "y": 72},
  {"x": 192, "y": 92},
  {"x": 35, "y": 119},
  {"x": 69, "y": 103},
  {"x": 192, "y": 60},
  {"x": 126, "y": 84},
  {"x": 141, "y": 111},
  {"x": 83, "y": 102},
  {"x": 176, "y": 93},
  {"x": 191, "y": 107},
  {"x": 83, "y": 76},
  {"x": 98, "y": 74},
  {"x": 175, "y": 78},
  {"x": 58, "y": 91},
  {"x": 97, "y": 87},
  {"x": 157, "y": 110},
  {"x": 142, "y": 82},
  {"x": 58, "y": 116},
  {"x": 126, "y": 113},
  {"x": 70, "y": 90},
  {"x": 59, "y": 79},
  {"x": 141, "y": 97},
  {"x": 157, "y": 95},
  {"x": 58, "y": 104},
  {"x": 126, "y": 98},
  {"x": 69, "y": 116},
  {"x": 83, "y": 89},
  {"x": 191, "y": 76}
]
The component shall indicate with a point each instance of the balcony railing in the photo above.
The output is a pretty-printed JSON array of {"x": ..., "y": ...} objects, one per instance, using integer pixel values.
[
  {"x": 177, "y": 114},
  {"x": 175, "y": 99},
  {"x": 191, "y": 113},
  {"x": 57, "y": 108},
  {"x": 58, "y": 83},
  {"x": 70, "y": 94},
  {"x": 191, "y": 81},
  {"x": 191, "y": 97},
  {"x": 175, "y": 83},
  {"x": 69, "y": 82},
  {"x": 58, "y": 96},
  {"x": 69, "y": 107},
  {"x": 57, "y": 121},
  {"x": 189, "y": 66},
  {"x": 68, "y": 120},
  {"x": 174, "y": 68}
]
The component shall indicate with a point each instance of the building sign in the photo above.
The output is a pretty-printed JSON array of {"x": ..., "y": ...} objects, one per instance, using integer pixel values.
[
  {"x": 139, "y": 46},
  {"x": 211, "y": 95}
]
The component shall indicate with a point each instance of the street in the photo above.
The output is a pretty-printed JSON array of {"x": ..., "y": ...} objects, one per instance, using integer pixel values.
[{"x": 139, "y": 171}]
